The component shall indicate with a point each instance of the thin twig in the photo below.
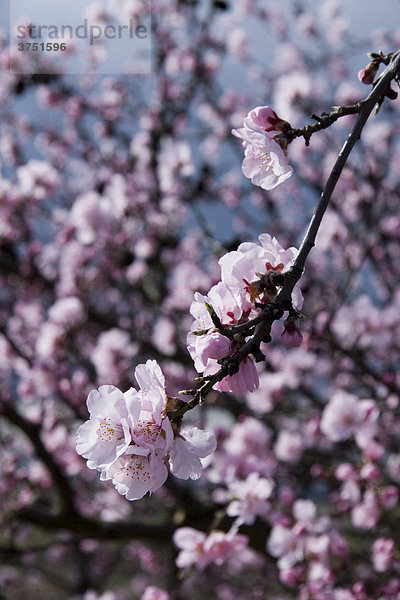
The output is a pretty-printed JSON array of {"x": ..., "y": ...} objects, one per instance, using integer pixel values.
[
  {"x": 260, "y": 326},
  {"x": 391, "y": 72}
]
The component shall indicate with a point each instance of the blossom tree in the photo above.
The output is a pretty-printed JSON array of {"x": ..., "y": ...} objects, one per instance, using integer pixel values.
[{"x": 199, "y": 313}]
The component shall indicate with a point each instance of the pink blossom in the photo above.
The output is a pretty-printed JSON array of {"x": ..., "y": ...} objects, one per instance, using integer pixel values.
[
  {"x": 319, "y": 576},
  {"x": 37, "y": 179},
  {"x": 213, "y": 345},
  {"x": 285, "y": 544},
  {"x": 174, "y": 162},
  {"x": 345, "y": 416},
  {"x": 226, "y": 308},
  {"x": 245, "y": 380},
  {"x": 382, "y": 554},
  {"x": 264, "y": 118},
  {"x": 49, "y": 342},
  {"x": 191, "y": 545},
  {"x": 289, "y": 446},
  {"x": 130, "y": 440},
  {"x": 92, "y": 216},
  {"x": 366, "y": 514},
  {"x": 318, "y": 546},
  {"x": 188, "y": 448},
  {"x": 237, "y": 43},
  {"x": 342, "y": 594},
  {"x": 199, "y": 550},
  {"x": 205, "y": 344},
  {"x": 134, "y": 475},
  {"x": 368, "y": 418},
  {"x": 388, "y": 496},
  {"x": 338, "y": 545},
  {"x": 291, "y": 335},
  {"x": 67, "y": 311},
  {"x": 250, "y": 498},
  {"x": 304, "y": 511},
  {"x": 241, "y": 270},
  {"x": 163, "y": 336},
  {"x": 154, "y": 593},
  {"x": 219, "y": 546},
  {"x": 248, "y": 437},
  {"x": 112, "y": 353},
  {"x": 150, "y": 429},
  {"x": 291, "y": 576},
  {"x": 345, "y": 471},
  {"x": 128, "y": 435},
  {"x": 266, "y": 162},
  {"x": 370, "y": 472},
  {"x": 350, "y": 492},
  {"x": 341, "y": 417},
  {"x": 367, "y": 75},
  {"x": 105, "y": 436}
]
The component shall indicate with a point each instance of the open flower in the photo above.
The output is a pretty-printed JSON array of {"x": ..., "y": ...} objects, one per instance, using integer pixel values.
[
  {"x": 134, "y": 475},
  {"x": 188, "y": 448},
  {"x": 266, "y": 162},
  {"x": 106, "y": 435},
  {"x": 198, "y": 550},
  {"x": 242, "y": 271},
  {"x": 345, "y": 415},
  {"x": 129, "y": 437},
  {"x": 291, "y": 335},
  {"x": 206, "y": 345}
]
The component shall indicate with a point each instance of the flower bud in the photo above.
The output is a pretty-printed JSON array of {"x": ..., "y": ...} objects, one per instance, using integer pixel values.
[
  {"x": 214, "y": 345},
  {"x": 291, "y": 336},
  {"x": 367, "y": 75}
]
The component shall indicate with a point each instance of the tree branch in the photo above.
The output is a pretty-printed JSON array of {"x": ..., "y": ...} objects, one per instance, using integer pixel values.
[
  {"x": 32, "y": 431},
  {"x": 260, "y": 326},
  {"x": 391, "y": 72}
]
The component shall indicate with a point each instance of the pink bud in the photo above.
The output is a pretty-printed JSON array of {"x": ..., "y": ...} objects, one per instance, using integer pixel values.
[
  {"x": 388, "y": 497},
  {"x": 374, "y": 450},
  {"x": 291, "y": 336},
  {"x": 382, "y": 554},
  {"x": 367, "y": 74},
  {"x": 292, "y": 576},
  {"x": 264, "y": 117},
  {"x": 370, "y": 472},
  {"x": 214, "y": 345},
  {"x": 345, "y": 471}
]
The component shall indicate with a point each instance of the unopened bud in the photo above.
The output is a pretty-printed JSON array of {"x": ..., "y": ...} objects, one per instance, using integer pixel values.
[
  {"x": 291, "y": 336},
  {"x": 214, "y": 345},
  {"x": 367, "y": 75}
]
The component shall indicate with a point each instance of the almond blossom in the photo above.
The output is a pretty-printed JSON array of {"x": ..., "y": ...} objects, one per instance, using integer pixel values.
[
  {"x": 206, "y": 345},
  {"x": 345, "y": 415},
  {"x": 251, "y": 276},
  {"x": 242, "y": 271},
  {"x": 129, "y": 437},
  {"x": 382, "y": 554},
  {"x": 249, "y": 498},
  {"x": 106, "y": 435},
  {"x": 189, "y": 447},
  {"x": 199, "y": 550},
  {"x": 266, "y": 162},
  {"x": 285, "y": 544}
]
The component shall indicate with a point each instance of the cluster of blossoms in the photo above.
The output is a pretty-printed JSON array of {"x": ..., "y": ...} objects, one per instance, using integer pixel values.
[
  {"x": 200, "y": 550},
  {"x": 246, "y": 285},
  {"x": 130, "y": 439},
  {"x": 266, "y": 161}
]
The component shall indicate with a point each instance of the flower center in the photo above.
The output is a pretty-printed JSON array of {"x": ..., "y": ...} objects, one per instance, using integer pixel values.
[
  {"x": 146, "y": 433},
  {"x": 138, "y": 468},
  {"x": 264, "y": 160},
  {"x": 108, "y": 431}
]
